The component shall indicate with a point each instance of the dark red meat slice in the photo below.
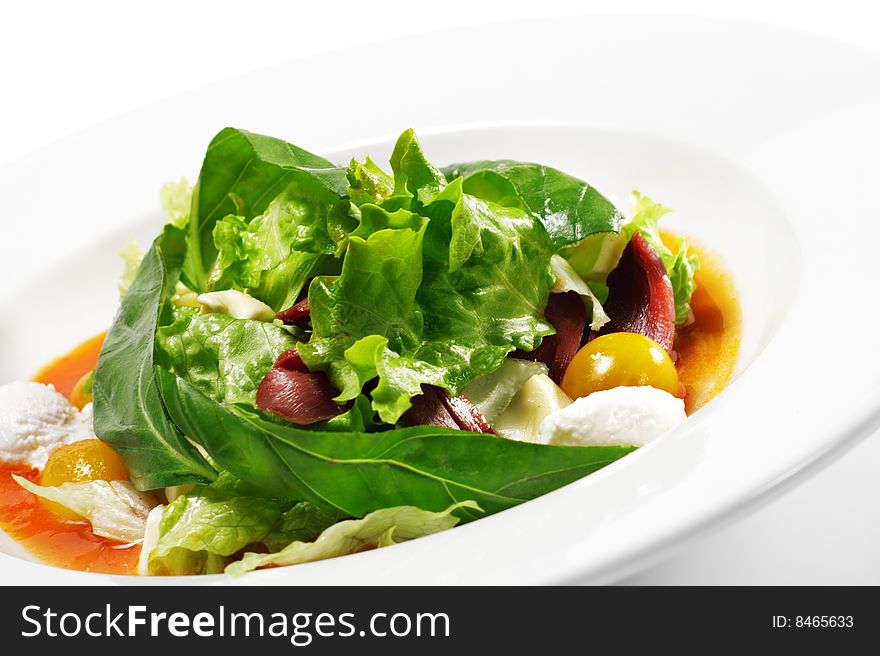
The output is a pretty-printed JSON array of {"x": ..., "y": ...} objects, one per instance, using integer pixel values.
[
  {"x": 290, "y": 360},
  {"x": 428, "y": 409},
  {"x": 640, "y": 298},
  {"x": 465, "y": 413},
  {"x": 436, "y": 407},
  {"x": 296, "y": 394},
  {"x": 295, "y": 313},
  {"x": 567, "y": 314}
]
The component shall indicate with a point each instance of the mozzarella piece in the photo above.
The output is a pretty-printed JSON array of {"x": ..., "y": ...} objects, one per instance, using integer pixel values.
[
  {"x": 621, "y": 416},
  {"x": 35, "y": 420},
  {"x": 538, "y": 398},
  {"x": 236, "y": 304}
]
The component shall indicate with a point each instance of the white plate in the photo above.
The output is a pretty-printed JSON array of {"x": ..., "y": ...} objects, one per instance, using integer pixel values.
[{"x": 764, "y": 142}]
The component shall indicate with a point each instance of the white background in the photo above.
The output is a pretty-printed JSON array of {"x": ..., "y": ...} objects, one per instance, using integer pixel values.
[{"x": 66, "y": 66}]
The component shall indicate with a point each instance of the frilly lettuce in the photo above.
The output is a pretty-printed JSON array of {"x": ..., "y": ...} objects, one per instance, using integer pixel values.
[
  {"x": 412, "y": 301},
  {"x": 241, "y": 175},
  {"x": 368, "y": 183}
]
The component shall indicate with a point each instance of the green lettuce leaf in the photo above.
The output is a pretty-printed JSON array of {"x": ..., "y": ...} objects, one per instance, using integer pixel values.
[
  {"x": 242, "y": 174},
  {"x": 367, "y": 318},
  {"x": 114, "y": 508},
  {"x": 414, "y": 175},
  {"x": 200, "y": 530},
  {"x": 368, "y": 183},
  {"x": 415, "y": 286},
  {"x": 265, "y": 257},
  {"x": 680, "y": 266},
  {"x": 225, "y": 358},
  {"x": 380, "y": 528},
  {"x": 129, "y": 414},
  {"x": 360, "y": 418}
]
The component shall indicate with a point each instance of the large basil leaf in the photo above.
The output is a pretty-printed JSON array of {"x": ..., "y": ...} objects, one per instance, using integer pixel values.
[
  {"x": 357, "y": 473},
  {"x": 129, "y": 414},
  {"x": 241, "y": 175},
  {"x": 570, "y": 209}
]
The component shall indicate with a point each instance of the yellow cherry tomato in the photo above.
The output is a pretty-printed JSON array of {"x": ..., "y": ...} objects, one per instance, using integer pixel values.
[
  {"x": 86, "y": 460},
  {"x": 620, "y": 359}
]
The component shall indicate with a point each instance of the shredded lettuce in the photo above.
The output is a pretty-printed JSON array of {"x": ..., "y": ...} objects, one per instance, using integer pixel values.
[
  {"x": 115, "y": 509},
  {"x": 680, "y": 266},
  {"x": 380, "y": 528},
  {"x": 201, "y": 531}
]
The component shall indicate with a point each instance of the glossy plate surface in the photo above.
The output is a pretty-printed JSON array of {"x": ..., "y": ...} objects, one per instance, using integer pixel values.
[{"x": 763, "y": 141}]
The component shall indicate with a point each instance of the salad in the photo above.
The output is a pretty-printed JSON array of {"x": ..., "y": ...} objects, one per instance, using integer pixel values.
[{"x": 313, "y": 360}]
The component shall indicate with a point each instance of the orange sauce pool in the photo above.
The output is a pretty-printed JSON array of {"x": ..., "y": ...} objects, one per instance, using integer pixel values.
[
  {"x": 708, "y": 347},
  {"x": 65, "y": 372},
  {"x": 53, "y": 540},
  {"x": 56, "y": 541}
]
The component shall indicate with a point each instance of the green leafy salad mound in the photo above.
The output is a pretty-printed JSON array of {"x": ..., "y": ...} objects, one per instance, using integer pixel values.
[{"x": 420, "y": 277}]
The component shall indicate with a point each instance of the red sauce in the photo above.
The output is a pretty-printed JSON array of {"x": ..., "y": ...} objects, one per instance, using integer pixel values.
[{"x": 53, "y": 540}]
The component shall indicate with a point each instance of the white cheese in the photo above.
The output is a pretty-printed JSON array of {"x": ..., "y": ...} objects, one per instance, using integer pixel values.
[
  {"x": 35, "y": 420},
  {"x": 622, "y": 416}
]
